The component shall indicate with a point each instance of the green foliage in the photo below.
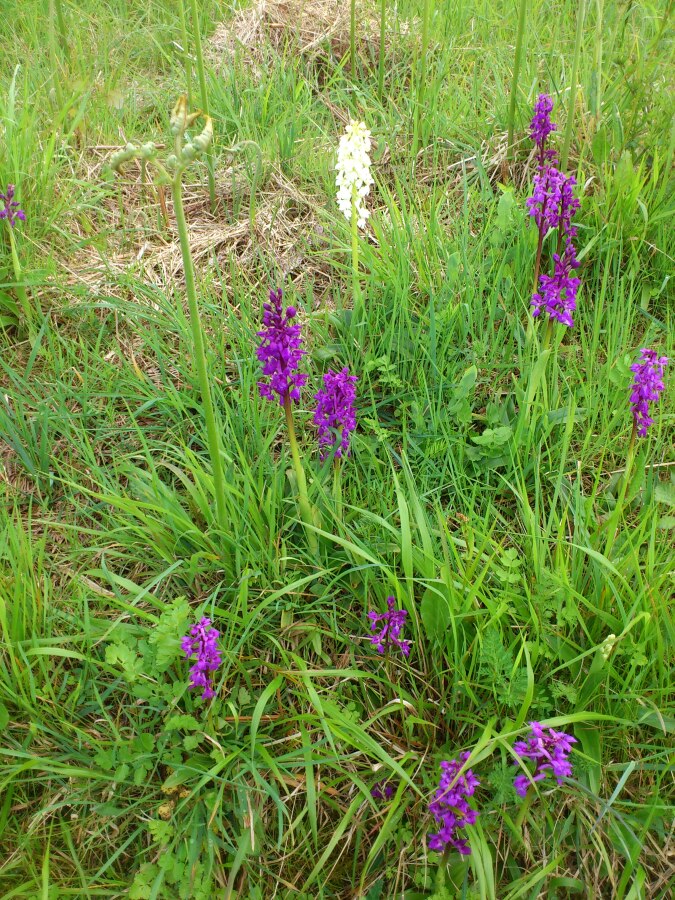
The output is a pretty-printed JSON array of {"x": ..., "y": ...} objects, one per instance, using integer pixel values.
[{"x": 482, "y": 491}]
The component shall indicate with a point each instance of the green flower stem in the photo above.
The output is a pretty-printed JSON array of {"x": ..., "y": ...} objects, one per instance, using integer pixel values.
[
  {"x": 303, "y": 498},
  {"x": 186, "y": 52},
  {"x": 212, "y": 430},
  {"x": 337, "y": 487},
  {"x": 18, "y": 278},
  {"x": 524, "y": 807},
  {"x": 355, "y": 258},
  {"x": 204, "y": 97},
  {"x": 516, "y": 73},
  {"x": 621, "y": 499},
  {"x": 573, "y": 86},
  {"x": 352, "y": 38},
  {"x": 380, "y": 64},
  {"x": 63, "y": 32}
]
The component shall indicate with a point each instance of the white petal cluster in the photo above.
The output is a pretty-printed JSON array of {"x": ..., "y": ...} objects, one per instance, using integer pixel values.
[{"x": 353, "y": 171}]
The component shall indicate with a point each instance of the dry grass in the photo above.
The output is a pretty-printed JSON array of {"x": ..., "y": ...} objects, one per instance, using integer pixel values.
[{"x": 314, "y": 29}]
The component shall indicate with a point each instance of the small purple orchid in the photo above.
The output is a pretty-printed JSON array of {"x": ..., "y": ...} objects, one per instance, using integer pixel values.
[
  {"x": 389, "y": 634},
  {"x": 11, "y": 210},
  {"x": 547, "y": 748},
  {"x": 335, "y": 416},
  {"x": 202, "y": 641},
  {"x": 450, "y": 806},
  {"x": 280, "y": 352},
  {"x": 382, "y": 790},
  {"x": 647, "y": 386}
]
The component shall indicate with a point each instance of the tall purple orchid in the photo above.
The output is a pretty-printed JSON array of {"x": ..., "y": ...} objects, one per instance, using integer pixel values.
[
  {"x": 280, "y": 351},
  {"x": 549, "y": 750},
  {"x": 553, "y": 206},
  {"x": 450, "y": 806},
  {"x": 202, "y": 642},
  {"x": 335, "y": 416},
  {"x": 647, "y": 386}
]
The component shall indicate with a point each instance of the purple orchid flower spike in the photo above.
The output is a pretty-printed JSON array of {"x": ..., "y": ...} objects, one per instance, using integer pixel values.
[
  {"x": 202, "y": 642},
  {"x": 11, "y": 210},
  {"x": 389, "y": 634},
  {"x": 335, "y": 416},
  {"x": 280, "y": 352},
  {"x": 549, "y": 750},
  {"x": 647, "y": 386},
  {"x": 450, "y": 806}
]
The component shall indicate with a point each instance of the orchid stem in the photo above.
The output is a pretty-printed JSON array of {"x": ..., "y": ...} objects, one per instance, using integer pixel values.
[
  {"x": 621, "y": 499},
  {"x": 303, "y": 498},
  {"x": 355, "y": 259},
  {"x": 18, "y": 277}
]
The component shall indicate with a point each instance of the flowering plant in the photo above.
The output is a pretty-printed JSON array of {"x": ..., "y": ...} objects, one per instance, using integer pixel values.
[
  {"x": 11, "y": 210},
  {"x": 202, "y": 642},
  {"x": 547, "y": 748},
  {"x": 647, "y": 386},
  {"x": 280, "y": 351},
  {"x": 335, "y": 416},
  {"x": 450, "y": 806},
  {"x": 389, "y": 634},
  {"x": 353, "y": 178}
]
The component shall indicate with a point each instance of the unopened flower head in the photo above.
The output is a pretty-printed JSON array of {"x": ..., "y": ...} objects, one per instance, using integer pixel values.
[
  {"x": 353, "y": 178},
  {"x": 450, "y": 806},
  {"x": 335, "y": 416},
  {"x": 557, "y": 294},
  {"x": 647, "y": 386},
  {"x": 389, "y": 633},
  {"x": 547, "y": 748},
  {"x": 11, "y": 210},
  {"x": 607, "y": 646},
  {"x": 202, "y": 642},
  {"x": 280, "y": 351}
]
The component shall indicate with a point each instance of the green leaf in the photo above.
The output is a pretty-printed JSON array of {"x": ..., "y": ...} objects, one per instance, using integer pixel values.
[
  {"x": 122, "y": 655},
  {"x": 4, "y": 717},
  {"x": 182, "y": 723},
  {"x": 167, "y": 634},
  {"x": 435, "y": 612}
]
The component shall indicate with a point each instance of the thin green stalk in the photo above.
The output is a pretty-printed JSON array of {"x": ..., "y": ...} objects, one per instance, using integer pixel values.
[
  {"x": 186, "y": 52},
  {"x": 516, "y": 74},
  {"x": 573, "y": 86},
  {"x": 355, "y": 261},
  {"x": 18, "y": 278},
  {"x": 204, "y": 97},
  {"x": 613, "y": 525},
  {"x": 596, "y": 89},
  {"x": 337, "y": 487},
  {"x": 212, "y": 430},
  {"x": 303, "y": 497},
  {"x": 421, "y": 76},
  {"x": 380, "y": 65},
  {"x": 61, "y": 21},
  {"x": 53, "y": 56},
  {"x": 352, "y": 38}
]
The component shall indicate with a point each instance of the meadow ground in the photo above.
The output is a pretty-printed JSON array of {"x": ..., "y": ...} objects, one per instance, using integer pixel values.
[{"x": 496, "y": 488}]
